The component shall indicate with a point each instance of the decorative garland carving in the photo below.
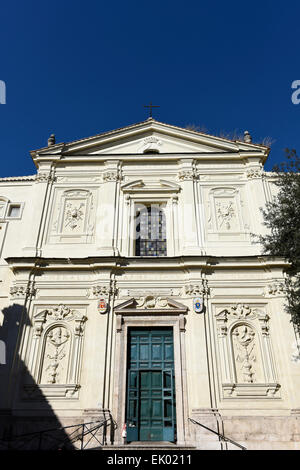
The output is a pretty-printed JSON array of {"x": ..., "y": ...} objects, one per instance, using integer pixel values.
[
  {"x": 73, "y": 215},
  {"x": 18, "y": 291},
  {"x": 241, "y": 311},
  {"x": 254, "y": 173},
  {"x": 225, "y": 212},
  {"x": 187, "y": 175},
  {"x": 21, "y": 291},
  {"x": 104, "y": 291},
  {"x": 110, "y": 176},
  {"x": 194, "y": 290},
  {"x": 276, "y": 288},
  {"x": 44, "y": 177}
]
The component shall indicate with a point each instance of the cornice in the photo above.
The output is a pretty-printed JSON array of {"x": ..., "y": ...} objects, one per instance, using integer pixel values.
[
  {"x": 205, "y": 263},
  {"x": 18, "y": 178}
]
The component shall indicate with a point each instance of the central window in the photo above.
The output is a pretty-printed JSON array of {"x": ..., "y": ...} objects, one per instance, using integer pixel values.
[{"x": 150, "y": 231}]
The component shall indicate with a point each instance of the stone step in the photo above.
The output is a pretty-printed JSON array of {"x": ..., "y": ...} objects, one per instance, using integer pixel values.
[{"x": 148, "y": 446}]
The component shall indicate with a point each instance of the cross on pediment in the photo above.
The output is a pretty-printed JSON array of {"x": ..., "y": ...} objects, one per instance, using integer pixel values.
[{"x": 150, "y": 106}]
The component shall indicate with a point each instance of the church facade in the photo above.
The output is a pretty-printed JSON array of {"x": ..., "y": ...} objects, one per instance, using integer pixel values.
[{"x": 132, "y": 288}]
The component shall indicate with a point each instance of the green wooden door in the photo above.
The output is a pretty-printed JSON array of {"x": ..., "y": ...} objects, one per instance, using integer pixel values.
[{"x": 150, "y": 387}]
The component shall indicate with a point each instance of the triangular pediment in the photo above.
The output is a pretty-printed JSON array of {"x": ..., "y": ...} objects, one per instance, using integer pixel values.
[
  {"x": 151, "y": 303},
  {"x": 149, "y": 138},
  {"x": 152, "y": 186}
]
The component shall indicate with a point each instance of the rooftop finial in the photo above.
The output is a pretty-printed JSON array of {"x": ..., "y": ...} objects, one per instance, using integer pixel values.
[
  {"x": 51, "y": 140},
  {"x": 247, "y": 137}
]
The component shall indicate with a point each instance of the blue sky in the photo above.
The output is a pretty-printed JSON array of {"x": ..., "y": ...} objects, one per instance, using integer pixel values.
[{"x": 78, "y": 68}]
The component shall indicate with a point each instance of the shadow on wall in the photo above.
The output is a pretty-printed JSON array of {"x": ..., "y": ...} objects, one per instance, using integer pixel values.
[{"x": 25, "y": 422}]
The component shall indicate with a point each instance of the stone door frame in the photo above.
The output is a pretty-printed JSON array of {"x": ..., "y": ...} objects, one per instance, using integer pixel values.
[{"x": 150, "y": 319}]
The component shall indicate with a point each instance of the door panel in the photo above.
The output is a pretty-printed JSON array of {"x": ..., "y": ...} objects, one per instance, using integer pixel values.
[{"x": 150, "y": 387}]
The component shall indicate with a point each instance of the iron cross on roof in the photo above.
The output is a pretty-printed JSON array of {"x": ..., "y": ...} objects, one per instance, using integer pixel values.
[{"x": 150, "y": 106}]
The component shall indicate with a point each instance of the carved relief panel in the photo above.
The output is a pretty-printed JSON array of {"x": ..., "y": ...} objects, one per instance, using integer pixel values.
[
  {"x": 55, "y": 352},
  {"x": 73, "y": 217},
  {"x": 56, "y": 355},
  {"x": 226, "y": 213},
  {"x": 245, "y": 353}
]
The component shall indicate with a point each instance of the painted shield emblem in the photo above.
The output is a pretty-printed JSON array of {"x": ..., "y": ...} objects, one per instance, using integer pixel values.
[
  {"x": 198, "y": 305},
  {"x": 102, "y": 305}
]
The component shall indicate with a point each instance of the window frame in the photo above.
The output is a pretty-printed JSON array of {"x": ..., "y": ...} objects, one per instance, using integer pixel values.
[
  {"x": 161, "y": 208},
  {"x": 171, "y": 225}
]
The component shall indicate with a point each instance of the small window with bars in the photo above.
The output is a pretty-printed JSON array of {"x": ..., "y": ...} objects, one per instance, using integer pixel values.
[{"x": 150, "y": 231}]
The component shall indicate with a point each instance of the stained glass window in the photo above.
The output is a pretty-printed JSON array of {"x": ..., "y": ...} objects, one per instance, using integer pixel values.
[{"x": 151, "y": 232}]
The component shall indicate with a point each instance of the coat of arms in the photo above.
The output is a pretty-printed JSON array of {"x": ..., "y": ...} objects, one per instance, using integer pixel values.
[
  {"x": 198, "y": 305},
  {"x": 102, "y": 305}
]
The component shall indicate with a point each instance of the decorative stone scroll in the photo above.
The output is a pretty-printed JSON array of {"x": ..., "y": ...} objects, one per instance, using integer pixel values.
[
  {"x": 150, "y": 301},
  {"x": 155, "y": 304},
  {"x": 245, "y": 353},
  {"x": 55, "y": 353}
]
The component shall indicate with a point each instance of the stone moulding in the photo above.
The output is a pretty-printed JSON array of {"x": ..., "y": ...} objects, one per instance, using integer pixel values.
[
  {"x": 255, "y": 390},
  {"x": 39, "y": 392}
]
